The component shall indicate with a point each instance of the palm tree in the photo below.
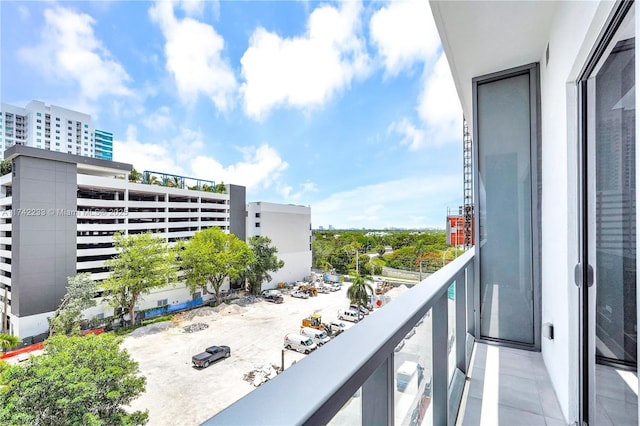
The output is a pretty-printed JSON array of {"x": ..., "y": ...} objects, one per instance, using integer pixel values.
[
  {"x": 360, "y": 290},
  {"x": 8, "y": 341},
  {"x": 135, "y": 176}
]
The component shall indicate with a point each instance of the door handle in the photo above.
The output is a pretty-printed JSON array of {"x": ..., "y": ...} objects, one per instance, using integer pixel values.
[{"x": 579, "y": 272}]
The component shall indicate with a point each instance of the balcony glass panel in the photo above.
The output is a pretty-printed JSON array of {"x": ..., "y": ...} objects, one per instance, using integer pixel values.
[
  {"x": 451, "y": 332},
  {"x": 350, "y": 413},
  {"x": 412, "y": 374}
]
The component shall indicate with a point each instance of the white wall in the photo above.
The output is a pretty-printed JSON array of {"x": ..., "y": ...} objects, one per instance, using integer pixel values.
[
  {"x": 289, "y": 228},
  {"x": 30, "y": 325}
]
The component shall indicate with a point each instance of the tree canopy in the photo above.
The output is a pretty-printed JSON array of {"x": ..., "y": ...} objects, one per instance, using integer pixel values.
[
  {"x": 8, "y": 341},
  {"x": 77, "y": 381},
  {"x": 211, "y": 256},
  {"x": 265, "y": 261},
  {"x": 143, "y": 262},
  {"x": 79, "y": 296}
]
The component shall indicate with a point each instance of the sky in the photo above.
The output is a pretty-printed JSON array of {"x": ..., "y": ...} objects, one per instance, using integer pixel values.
[{"x": 347, "y": 107}]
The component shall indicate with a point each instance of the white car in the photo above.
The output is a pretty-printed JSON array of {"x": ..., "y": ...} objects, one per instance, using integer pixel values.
[
  {"x": 300, "y": 294},
  {"x": 336, "y": 287}
]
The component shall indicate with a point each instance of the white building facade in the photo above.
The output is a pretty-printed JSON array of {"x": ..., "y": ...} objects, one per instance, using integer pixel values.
[
  {"x": 289, "y": 228},
  {"x": 58, "y": 214},
  {"x": 550, "y": 91},
  {"x": 52, "y": 128}
]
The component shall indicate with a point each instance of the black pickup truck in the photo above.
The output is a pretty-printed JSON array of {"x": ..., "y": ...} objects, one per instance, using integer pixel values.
[{"x": 211, "y": 354}]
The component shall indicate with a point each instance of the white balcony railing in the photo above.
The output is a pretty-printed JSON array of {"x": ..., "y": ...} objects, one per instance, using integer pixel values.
[{"x": 355, "y": 379}]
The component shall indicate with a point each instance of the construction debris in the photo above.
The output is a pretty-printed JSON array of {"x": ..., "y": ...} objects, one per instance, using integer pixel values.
[
  {"x": 261, "y": 375},
  {"x": 199, "y": 326}
]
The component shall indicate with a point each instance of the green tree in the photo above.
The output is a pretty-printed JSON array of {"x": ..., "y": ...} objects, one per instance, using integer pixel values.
[
  {"x": 211, "y": 256},
  {"x": 8, "y": 341},
  {"x": 359, "y": 290},
  {"x": 77, "y": 381},
  {"x": 79, "y": 296},
  {"x": 135, "y": 176},
  {"x": 265, "y": 261},
  {"x": 5, "y": 167},
  {"x": 150, "y": 179},
  {"x": 221, "y": 188},
  {"x": 143, "y": 262}
]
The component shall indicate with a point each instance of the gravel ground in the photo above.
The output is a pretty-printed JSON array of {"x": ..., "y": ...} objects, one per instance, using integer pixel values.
[{"x": 178, "y": 394}]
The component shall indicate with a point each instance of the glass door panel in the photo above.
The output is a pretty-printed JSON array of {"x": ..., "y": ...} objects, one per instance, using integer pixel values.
[{"x": 611, "y": 309}]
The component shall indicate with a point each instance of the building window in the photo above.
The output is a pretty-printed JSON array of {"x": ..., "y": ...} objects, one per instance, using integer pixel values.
[
  {"x": 58, "y": 119},
  {"x": 163, "y": 302},
  {"x": 58, "y": 137},
  {"x": 39, "y": 127},
  {"x": 257, "y": 224},
  {"x": 57, "y": 125},
  {"x": 39, "y": 133},
  {"x": 38, "y": 120},
  {"x": 257, "y": 214},
  {"x": 86, "y": 125},
  {"x": 39, "y": 115}
]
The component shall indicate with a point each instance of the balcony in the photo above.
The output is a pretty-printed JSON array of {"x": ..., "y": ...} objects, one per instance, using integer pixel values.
[{"x": 412, "y": 362}]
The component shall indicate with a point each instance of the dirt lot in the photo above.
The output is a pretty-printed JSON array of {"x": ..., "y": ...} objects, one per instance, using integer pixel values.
[{"x": 178, "y": 394}]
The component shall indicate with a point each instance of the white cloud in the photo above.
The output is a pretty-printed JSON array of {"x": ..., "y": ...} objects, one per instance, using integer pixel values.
[
  {"x": 159, "y": 119},
  {"x": 412, "y": 136},
  {"x": 261, "y": 167},
  {"x": 145, "y": 156},
  {"x": 438, "y": 109},
  {"x": 404, "y": 33},
  {"x": 422, "y": 200},
  {"x": 194, "y": 55},
  {"x": 69, "y": 51},
  {"x": 439, "y": 106},
  {"x": 304, "y": 71}
]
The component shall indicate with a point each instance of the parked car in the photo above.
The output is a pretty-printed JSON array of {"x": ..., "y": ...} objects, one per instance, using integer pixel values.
[
  {"x": 336, "y": 327},
  {"x": 274, "y": 298},
  {"x": 210, "y": 355},
  {"x": 349, "y": 315},
  {"x": 299, "y": 343},
  {"x": 319, "y": 337},
  {"x": 324, "y": 289},
  {"x": 336, "y": 287},
  {"x": 363, "y": 309},
  {"x": 300, "y": 294}
]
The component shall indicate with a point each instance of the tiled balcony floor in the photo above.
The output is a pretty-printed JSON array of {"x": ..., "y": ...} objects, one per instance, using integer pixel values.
[{"x": 508, "y": 387}]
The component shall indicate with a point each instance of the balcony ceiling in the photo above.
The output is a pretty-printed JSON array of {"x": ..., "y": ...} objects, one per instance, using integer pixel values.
[{"x": 481, "y": 37}]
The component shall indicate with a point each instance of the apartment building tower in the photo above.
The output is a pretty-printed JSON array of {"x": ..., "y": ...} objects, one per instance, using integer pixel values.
[{"x": 53, "y": 128}]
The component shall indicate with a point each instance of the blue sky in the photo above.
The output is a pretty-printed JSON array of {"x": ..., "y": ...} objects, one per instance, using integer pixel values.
[{"x": 347, "y": 107}]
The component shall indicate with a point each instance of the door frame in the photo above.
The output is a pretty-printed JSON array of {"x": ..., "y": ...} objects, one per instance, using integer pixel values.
[{"x": 584, "y": 273}]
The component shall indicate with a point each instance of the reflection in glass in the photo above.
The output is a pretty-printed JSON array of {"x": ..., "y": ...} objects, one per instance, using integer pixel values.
[
  {"x": 505, "y": 252},
  {"x": 451, "y": 333},
  {"x": 615, "y": 206},
  {"x": 350, "y": 413},
  {"x": 412, "y": 375}
]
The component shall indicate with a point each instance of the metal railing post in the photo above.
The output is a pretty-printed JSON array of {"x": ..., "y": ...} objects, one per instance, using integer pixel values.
[{"x": 439, "y": 345}]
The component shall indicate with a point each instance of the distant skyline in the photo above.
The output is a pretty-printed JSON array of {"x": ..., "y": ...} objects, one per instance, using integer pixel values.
[{"x": 347, "y": 107}]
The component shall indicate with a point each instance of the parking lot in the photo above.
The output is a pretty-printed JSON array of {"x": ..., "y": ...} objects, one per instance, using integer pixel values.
[{"x": 178, "y": 394}]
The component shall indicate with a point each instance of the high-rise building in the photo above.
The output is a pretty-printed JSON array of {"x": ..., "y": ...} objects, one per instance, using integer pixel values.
[
  {"x": 53, "y": 128},
  {"x": 103, "y": 145}
]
